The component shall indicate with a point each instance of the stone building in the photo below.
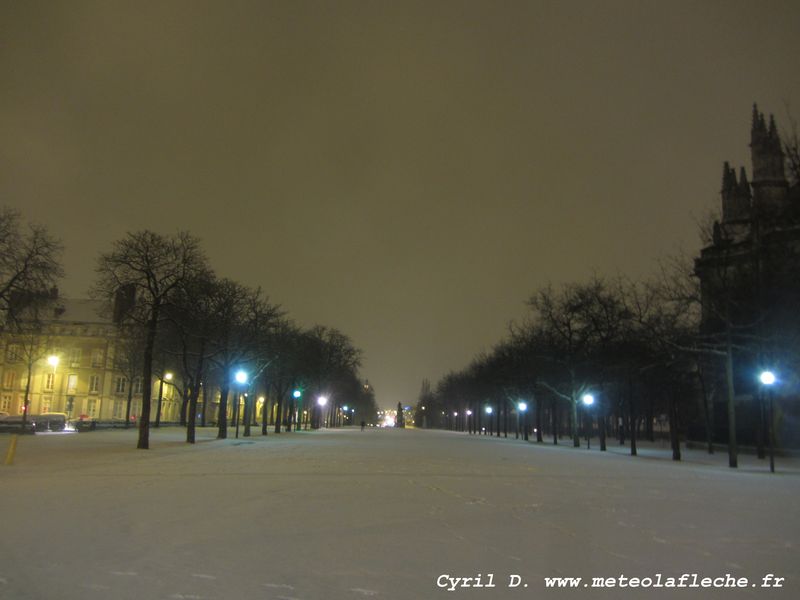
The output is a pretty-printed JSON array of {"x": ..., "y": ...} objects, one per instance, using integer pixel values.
[
  {"x": 749, "y": 271},
  {"x": 72, "y": 366}
]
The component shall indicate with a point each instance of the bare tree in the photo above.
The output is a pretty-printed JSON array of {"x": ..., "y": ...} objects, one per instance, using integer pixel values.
[
  {"x": 29, "y": 263},
  {"x": 141, "y": 274}
]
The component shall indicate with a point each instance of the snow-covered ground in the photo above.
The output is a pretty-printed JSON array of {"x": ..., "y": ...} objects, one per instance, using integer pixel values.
[{"x": 382, "y": 514}]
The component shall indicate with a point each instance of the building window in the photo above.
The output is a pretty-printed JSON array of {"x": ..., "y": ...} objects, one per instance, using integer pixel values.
[
  {"x": 91, "y": 408},
  {"x": 94, "y": 384},
  {"x": 47, "y": 402},
  {"x": 72, "y": 383},
  {"x": 49, "y": 381},
  {"x": 97, "y": 357},
  {"x": 137, "y": 385},
  {"x": 75, "y": 357},
  {"x": 136, "y": 409},
  {"x": 120, "y": 384},
  {"x": 5, "y": 403},
  {"x": 119, "y": 409},
  {"x": 13, "y": 353},
  {"x": 9, "y": 379}
]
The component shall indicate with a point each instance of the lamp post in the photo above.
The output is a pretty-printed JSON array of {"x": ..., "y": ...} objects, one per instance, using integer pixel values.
[
  {"x": 321, "y": 402},
  {"x": 168, "y": 377},
  {"x": 588, "y": 400},
  {"x": 297, "y": 395},
  {"x": 470, "y": 424},
  {"x": 768, "y": 379},
  {"x": 241, "y": 379},
  {"x": 488, "y": 410},
  {"x": 523, "y": 408}
]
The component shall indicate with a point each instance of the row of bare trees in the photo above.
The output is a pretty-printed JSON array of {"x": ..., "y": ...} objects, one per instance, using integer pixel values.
[
  {"x": 173, "y": 310},
  {"x": 637, "y": 348},
  {"x": 173, "y": 313}
]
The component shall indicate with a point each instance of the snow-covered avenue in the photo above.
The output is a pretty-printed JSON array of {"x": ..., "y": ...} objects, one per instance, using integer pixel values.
[{"x": 386, "y": 514}]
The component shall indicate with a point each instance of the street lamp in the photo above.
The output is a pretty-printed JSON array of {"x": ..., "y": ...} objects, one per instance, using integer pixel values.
[
  {"x": 166, "y": 377},
  {"x": 768, "y": 379},
  {"x": 523, "y": 408},
  {"x": 588, "y": 401},
  {"x": 296, "y": 394},
  {"x": 241, "y": 379},
  {"x": 321, "y": 402}
]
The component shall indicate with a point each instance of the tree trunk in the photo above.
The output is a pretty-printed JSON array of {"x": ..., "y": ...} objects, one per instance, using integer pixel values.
[
  {"x": 128, "y": 406},
  {"x": 733, "y": 461},
  {"x": 601, "y": 422},
  {"x": 706, "y": 412},
  {"x": 632, "y": 418},
  {"x": 26, "y": 402},
  {"x": 190, "y": 423},
  {"x": 147, "y": 383},
  {"x": 222, "y": 419},
  {"x": 576, "y": 440},
  {"x": 539, "y": 410},
  {"x": 278, "y": 413},
  {"x": 674, "y": 438},
  {"x": 247, "y": 418},
  {"x": 555, "y": 422}
]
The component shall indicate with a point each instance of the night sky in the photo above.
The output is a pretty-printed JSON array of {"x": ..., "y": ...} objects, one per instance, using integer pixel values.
[{"x": 407, "y": 172}]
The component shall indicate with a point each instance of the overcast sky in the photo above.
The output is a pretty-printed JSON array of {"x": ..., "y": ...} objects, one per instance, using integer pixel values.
[{"x": 407, "y": 172}]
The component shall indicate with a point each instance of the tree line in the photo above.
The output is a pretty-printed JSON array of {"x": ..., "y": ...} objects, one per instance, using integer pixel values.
[{"x": 174, "y": 313}]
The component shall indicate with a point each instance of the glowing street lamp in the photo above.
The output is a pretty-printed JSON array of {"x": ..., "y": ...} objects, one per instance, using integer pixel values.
[
  {"x": 523, "y": 408},
  {"x": 241, "y": 378},
  {"x": 165, "y": 377},
  {"x": 588, "y": 401},
  {"x": 768, "y": 379}
]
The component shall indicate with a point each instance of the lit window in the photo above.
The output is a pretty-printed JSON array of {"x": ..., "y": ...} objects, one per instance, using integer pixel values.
[
  {"x": 94, "y": 384},
  {"x": 75, "y": 357},
  {"x": 120, "y": 385},
  {"x": 49, "y": 381},
  {"x": 13, "y": 353},
  {"x": 9, "y": 379},
  {"x": 91, "y": 408},
  {"x": 72, "y": 383}
]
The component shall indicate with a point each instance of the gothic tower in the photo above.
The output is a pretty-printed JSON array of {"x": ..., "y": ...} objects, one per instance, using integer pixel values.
[{"x": 770, "y": 187}]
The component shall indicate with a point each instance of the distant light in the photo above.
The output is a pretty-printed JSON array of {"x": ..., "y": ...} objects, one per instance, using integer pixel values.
[
  {"x": 488, "y": 410},
  {"x": 297, "y": 393},
  {"x": 52, "y": 360},
  {"x": 423, "y": 408},
  {"x": 469, "y": 413},
  {"x": 261, "y": 399},
  {"x": 588, "y": 399},
  {"x": 241, "y": 377},
  {"x": 767, "y": 377},
  {"x": 168, "y": 376},
  {"x": 455, "y": 414},
  {"x": 522, "y": 406},
  {"x": 322, "y": 400},
  {"x": 344, "y": 408}
]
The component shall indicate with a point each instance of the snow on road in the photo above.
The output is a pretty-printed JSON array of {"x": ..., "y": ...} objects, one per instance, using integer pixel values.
[{"x": 381, "y": 514}]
